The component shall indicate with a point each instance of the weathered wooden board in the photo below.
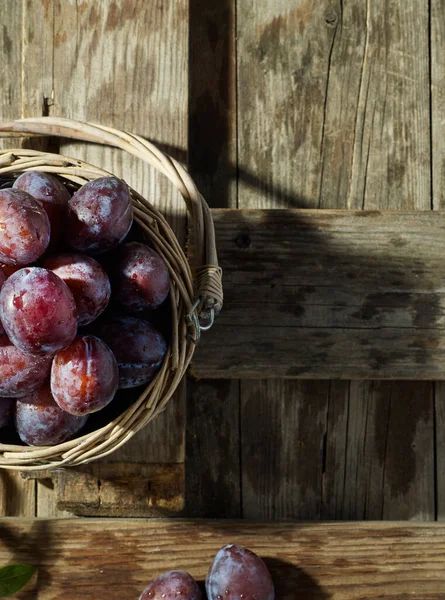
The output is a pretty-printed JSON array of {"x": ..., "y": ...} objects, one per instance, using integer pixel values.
[
  {"x": 212, "y": 100},
  {"x": 279, "y": 473},
  {"x": 437, "y": 75},
  {"x": 284, "y": 54},
  {"x": 439, "y": 447},
  {"x": 112, "y": 63},
  {"x": 114, "y": 488},
  {"x": 212, "y": 435},
  {"x": 17, "y": 497},
  {"x": 335, "y": 484},
  {"x": 329, "y": 294},
  {"x": 389, "y": 466},
  {"x": 213, "y": 466},
  {"x": 376, "y": 150},
  {"x": 391, "y": 169},
  {"x": 116, "y": 559},
  {"x": 333, "y": 112}
]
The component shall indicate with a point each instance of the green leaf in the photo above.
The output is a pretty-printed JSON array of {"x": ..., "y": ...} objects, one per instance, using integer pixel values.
[{"x": 13, "y": 578}]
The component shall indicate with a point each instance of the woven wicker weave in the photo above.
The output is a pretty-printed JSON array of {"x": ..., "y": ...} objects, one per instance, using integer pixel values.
[{"x": 196, "y": 292}]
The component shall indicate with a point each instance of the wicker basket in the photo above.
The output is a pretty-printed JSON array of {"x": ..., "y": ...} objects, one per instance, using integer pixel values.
[{"x": 196, "y": 292}]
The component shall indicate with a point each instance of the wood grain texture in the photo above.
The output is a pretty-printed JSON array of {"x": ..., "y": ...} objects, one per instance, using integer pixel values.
[
  {"x": 437, "y": 48},
  {"x": 335, "y": 451},
  {"x": 280, "y": 431},
  {"x": 17, "y": 497},
  {"x": 212, "y": 479},
  {"x": 116, "y": 559},
  {"x": 11, "y": 53},
  {"x": 114, "y": 63},
  {"x": 212, "y": 434},
  {"x": 116, "y": 489},
  {"x": 439, "y": 445},
  {"x": 283, "y": 72},
  {"x": 162, "y": 440},
  {"x": 334, "y": 113},
  {"x": 409, "y": 483},
  {"x": 389, "y": 461},
  {"x": 39, "y": 46},
  {"x": 376, "y": 150},
  {"x": 392, "y": 170},
  {"x": 328, "y": 294}
]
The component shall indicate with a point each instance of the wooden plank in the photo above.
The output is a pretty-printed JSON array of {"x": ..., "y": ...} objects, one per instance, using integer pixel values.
[
  {"x": 439, "y": 443},
  {"x": 348, "y": 83},
  {"x": 391, "y": 169},
  {"x": 116, "y": 559},
  {"x": 36, "y": 70},
  {"x": 389, "y": 467},
  {"x": 96, "y": 43},
  {"x": 162, "y": 441},
  {"x": 117, "y": 488},
  {"x": 212, "y": 89},
  {"x": 376, "y": 145},
  {"x": 76, "y": 64},
  {"x": 17, "y": 497},
  {"x": 437, "y": 33},
  {"x": 335, "y": 483},
  {"x": 283, "y": 73},
  {"x": 212, "y": 434},
  {"x": 280, "y": 431},
  {"x": 48, "y": 494},
  {"x": 11, "y": 52},
  {"x": 437, "y": 48},
  {"x": 328, "y": 294},
  {"x": 369, "y": 409},
  {"x": 409, "y": 483},
  {"x": 213, "y": 450}
]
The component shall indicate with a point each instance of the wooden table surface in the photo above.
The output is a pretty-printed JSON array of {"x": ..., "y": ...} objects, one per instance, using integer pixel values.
[
  {"x": 314, "y": 104},
  {"x": 103, "y": 560}
]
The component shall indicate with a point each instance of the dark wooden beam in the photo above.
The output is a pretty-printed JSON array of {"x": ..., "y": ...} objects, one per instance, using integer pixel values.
[{"x": 328, "y": 294}]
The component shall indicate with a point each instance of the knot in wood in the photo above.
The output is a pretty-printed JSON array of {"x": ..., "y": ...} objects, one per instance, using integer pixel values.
[{"x": 330, "y": 17}]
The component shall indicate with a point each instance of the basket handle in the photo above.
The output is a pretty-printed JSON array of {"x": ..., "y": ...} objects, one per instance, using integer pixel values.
[{"x": 208, "y": 274}]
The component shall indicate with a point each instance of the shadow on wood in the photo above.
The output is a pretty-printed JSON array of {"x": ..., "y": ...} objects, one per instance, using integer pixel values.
[
  {"x": 292, "y": 582},
  {"x": 305, "y": 131},
  {"x": 30, "y": 547},
  {"x": 328, "y": 294},
  {"x": 212, "y": 442}
]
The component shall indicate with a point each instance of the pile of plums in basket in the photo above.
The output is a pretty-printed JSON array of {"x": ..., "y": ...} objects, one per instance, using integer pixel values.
[
  {"x": 76, "y": 300},
  {"x": 236, "y": 574}
]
